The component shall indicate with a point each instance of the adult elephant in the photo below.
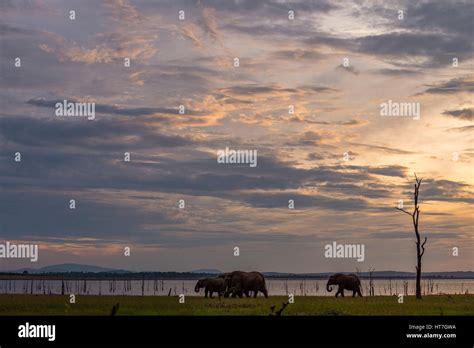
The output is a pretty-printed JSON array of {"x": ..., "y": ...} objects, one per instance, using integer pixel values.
[
  {"x": 210, "y": 286},
  {"x": 230, "y": 288},
  {"x": 344, "y": 281},
  {"x": 239, "y": 283}
]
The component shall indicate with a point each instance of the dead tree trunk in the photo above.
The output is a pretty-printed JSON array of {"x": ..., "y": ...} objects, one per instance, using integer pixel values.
[{"x": 420, "y": 247}]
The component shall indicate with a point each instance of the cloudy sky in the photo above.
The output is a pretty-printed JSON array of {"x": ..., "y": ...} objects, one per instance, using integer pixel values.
[{"x": 344, "y": 165}]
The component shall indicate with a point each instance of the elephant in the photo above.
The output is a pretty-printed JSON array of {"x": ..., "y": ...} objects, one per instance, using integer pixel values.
[
  {"x": 231, "y": 289},
  {"x": 239, "y": 283},
  {"x": 211, "y": 285},
  {"x": 344, "y": 281}
]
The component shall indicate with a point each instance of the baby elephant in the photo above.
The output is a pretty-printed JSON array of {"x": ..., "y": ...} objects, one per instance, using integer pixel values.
[
  {"x": 344, "y": 281},
  {"x": 211, "y": 285}
]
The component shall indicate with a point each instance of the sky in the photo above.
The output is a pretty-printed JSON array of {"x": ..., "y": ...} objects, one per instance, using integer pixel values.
[{"x": 343, "y": 164}]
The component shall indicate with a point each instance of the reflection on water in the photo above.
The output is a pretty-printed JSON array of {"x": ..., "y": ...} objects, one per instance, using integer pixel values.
[{"x": 298, "y": 287}]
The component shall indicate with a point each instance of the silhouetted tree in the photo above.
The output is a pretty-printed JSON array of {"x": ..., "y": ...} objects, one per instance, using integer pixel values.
[{"x": 420, "y": 247}]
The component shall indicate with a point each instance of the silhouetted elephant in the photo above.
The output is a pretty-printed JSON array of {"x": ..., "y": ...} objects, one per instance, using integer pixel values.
[
  {"x": 239, "y": 283},
  {"x": 231, "y": 290},
  {"x": 344, "y": 281},
  {"x": 211, "y": 285}
]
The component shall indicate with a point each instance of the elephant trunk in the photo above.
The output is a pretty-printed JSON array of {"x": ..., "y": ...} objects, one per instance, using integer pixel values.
[
  {"x": 197, "y": 288},
  {"x": 328, "y": 288}
]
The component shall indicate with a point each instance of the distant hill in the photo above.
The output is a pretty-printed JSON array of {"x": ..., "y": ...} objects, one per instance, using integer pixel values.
[
  {"x": 78, "y": 270},
  {"x": 207, "y": 271},
  {"x": 68, "y": 268},
  {"x": 377, "y": 274}
]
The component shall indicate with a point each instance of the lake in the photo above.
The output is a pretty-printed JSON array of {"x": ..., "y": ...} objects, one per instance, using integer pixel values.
[{"x": 298, "y": 287}]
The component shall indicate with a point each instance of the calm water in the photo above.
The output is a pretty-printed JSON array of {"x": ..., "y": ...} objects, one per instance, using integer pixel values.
[{"x": 275, "y": 287}]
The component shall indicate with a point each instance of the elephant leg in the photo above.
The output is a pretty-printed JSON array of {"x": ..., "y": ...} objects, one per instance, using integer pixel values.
[
  {"x": 342, "y": 292},
  {"x": 247, "y": 294},
  {"x": 255, "y": 294},
  {"x": 337, "y": 293},
  {"x": 236, "y": 292},
  {"x": 265, "y": 293},
  {"x": 353, "y": 293},
  {"x": 205, "y": 293},
  {"x": 358, "y": 291},
  {"x": 211, "y": 292},
  {"x": 228, "y": 291}
]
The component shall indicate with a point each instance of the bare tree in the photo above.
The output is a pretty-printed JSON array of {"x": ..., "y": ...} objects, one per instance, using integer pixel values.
[
  {"x": 420, "y": 247},
  {"x": 371, "y": 282}
]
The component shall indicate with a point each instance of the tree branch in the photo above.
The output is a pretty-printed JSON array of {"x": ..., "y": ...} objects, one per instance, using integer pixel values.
[
  {"x": 404, "y": 211},
  {"x": 423, "y": 247}
]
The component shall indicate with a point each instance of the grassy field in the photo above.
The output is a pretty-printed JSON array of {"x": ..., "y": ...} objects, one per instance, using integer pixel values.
[{"x": 308, "y": 305}]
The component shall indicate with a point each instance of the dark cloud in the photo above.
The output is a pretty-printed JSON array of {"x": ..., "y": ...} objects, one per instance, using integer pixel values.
[
  {"x": 325, "y": 39},
  {"x": 39, "y": 70},
  {"x": 440, "y": 16},
  {"x": 318, "y": 89},
  {"x": 309, "y": 138},
  {"x": 443, "y": 191},
  {"x": 394, "y": 170},
  {"x": 255, "y": 90},
  {"x": 429, "y": 29},
  {"x": 8, "y": 30},
  {"x": 280, "y": 200},
  {"x": 267, "y": 29},
  {"x": 68, "y": 148},
  {"x": 112, "y": 109},
  {"x": 432, "y": 46},
  {"x": 314, "y": 156},
  {"x": 270, "y": 7},
  {"x": 349, "y": 69},
  {"x": 96, "y": 135},
  {"x": 384, "y": 149},
  {"x": 41, "y": 214},
  {"x": 227, "y": 100},
  {"x": 297, "y": 54},
  {"x": 352, "y": 122},
  {"x": 434, "y": 29},
  {"x": 20, "y": 5},
  {"x": 461, "y": 129},
  {"x": 462, "y": 114},
  {"x": 366, "y": 191},
  {"x": 397, "y": 72},
  {"x": 452, "y": 86}
]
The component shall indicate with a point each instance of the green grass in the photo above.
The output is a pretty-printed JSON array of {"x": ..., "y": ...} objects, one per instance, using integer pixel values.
[{"x": 308, "y": 305}]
